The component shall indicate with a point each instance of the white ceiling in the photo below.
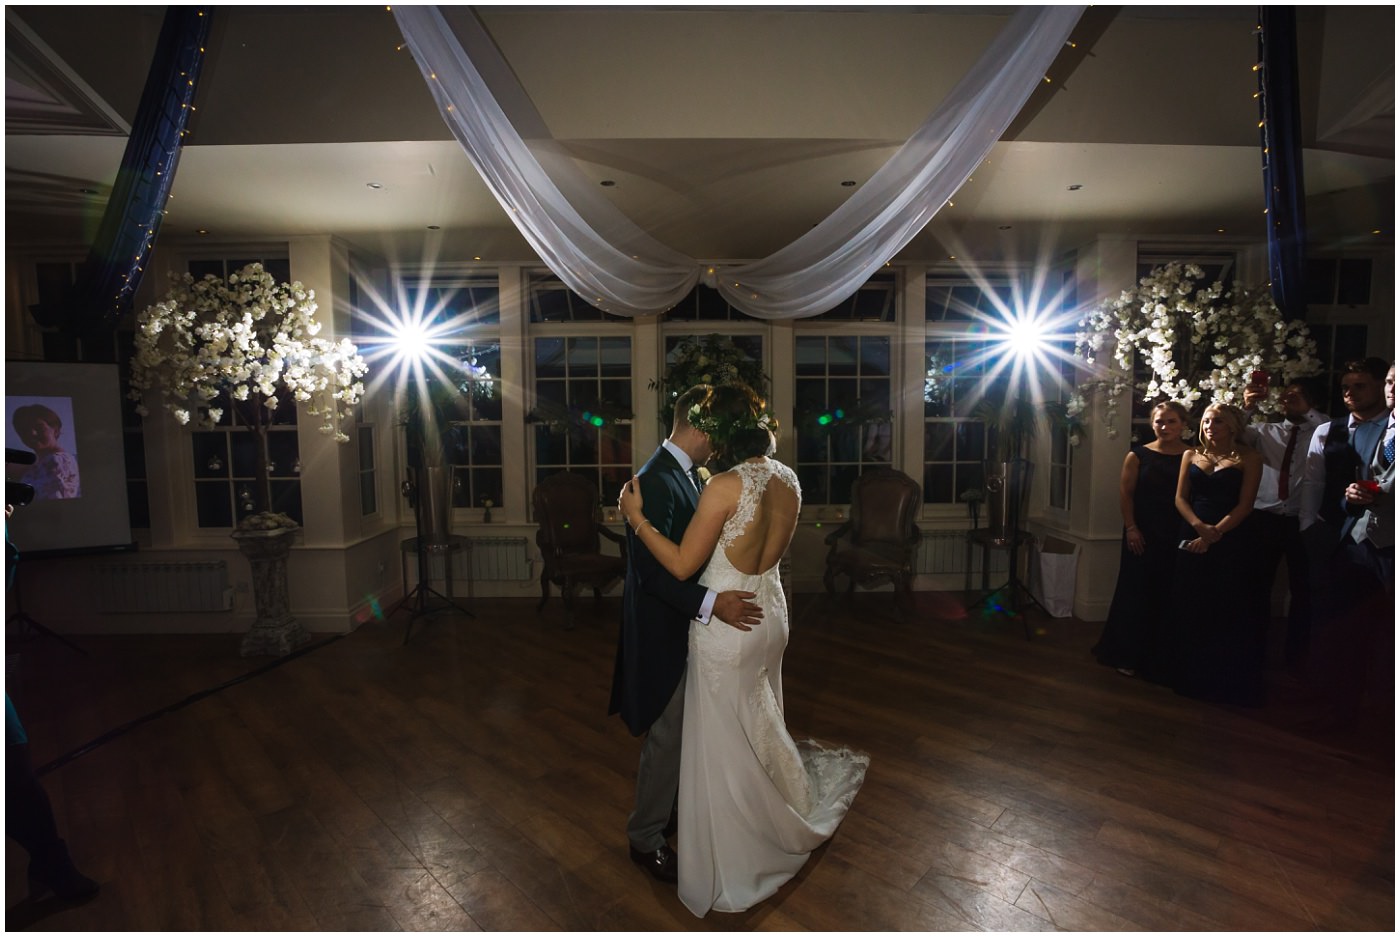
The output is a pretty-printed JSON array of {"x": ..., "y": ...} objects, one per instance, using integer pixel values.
[{"x": 727, "y": 130}]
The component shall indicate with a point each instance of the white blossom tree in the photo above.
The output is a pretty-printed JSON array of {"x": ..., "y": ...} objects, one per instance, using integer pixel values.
[
  {"x": 1197, "y": 342},
  {"x": 251, "y": 341}
]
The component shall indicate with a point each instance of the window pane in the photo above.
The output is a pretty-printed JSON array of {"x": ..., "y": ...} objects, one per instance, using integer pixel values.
[
  {"x": 972, "y": 441},
  {"x": 583, "y": 357},
  {"x": 244, "y": 448},
  {"x": 938, "y": 442},
  {"x": 877, "y": 443},
  {"x": 487, "y": 484},
  {"x": 282, "y": 452},
  {"x": 549, "y": 446},
  {"x": 366, "y": 447},
  {"x": 874, "y": 355},
  {"x": 969, "y": 477},
  {"x": 938, "y": 484},
  {"x": 842, "y": 357},
  {"x": 549, "y": 357},
  {"x": 813, "y": 480},
  {"x": 210, "y": 455},
  {"x": 213, "y": 504},
  {"x": 810, "y": 355},
  {"x": 486, "y": 445},
  {"x": 842, "y": 478},
  {"x": 583, "y": 446},
  {"x": 369, "y": 498},
  {"x": 615, "y": 357}
]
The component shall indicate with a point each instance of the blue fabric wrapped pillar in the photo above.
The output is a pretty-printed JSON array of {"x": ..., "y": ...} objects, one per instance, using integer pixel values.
[
  {"x": 110, "y": 275},
  {"x": 1281, "y": 141}
]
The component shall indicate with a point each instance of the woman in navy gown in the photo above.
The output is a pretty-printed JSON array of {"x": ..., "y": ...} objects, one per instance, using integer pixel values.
[
  {"x": 1221, "y": 598},
  {"x": 1131, "y": 639}
]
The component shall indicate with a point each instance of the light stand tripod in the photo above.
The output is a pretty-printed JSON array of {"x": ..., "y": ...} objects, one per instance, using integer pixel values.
[
  {"x": 424, "y": 550},
  {"x": 430, "y": 496},
  {"x": 1013, "y": 588}
]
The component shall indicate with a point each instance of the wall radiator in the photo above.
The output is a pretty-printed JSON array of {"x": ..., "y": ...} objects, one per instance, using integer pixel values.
[
  {"x": 945, "y": 551},
  {"x": 164, "y": 587},
  {"x": 497, "y": 559}
]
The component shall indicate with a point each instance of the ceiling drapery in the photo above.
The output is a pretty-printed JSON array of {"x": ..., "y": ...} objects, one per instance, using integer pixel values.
[{"x": 607, "y": 259}]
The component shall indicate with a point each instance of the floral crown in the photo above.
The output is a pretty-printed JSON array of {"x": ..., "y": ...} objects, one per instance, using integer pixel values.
[{"x": 710, "y": 425}]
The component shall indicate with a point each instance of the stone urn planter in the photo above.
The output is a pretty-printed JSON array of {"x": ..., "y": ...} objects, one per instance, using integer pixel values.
[{"x": 275, "y": 632}]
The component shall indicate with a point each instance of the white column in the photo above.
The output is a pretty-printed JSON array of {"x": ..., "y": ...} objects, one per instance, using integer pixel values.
[
  {"x": 330, "y": 493},
  {"x": 517, "y": 483}
]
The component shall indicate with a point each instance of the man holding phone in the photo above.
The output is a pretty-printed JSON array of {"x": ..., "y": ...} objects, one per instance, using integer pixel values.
[{"x": 1284, "y": 446}]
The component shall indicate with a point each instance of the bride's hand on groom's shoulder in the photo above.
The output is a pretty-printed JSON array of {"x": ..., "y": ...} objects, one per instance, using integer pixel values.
[
  {"x": 734, "y": 609},
  {"x": 629, "y": 497}
]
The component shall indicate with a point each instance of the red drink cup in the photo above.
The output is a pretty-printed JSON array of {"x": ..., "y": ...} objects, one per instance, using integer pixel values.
[{"x": 1370, "y": 484}]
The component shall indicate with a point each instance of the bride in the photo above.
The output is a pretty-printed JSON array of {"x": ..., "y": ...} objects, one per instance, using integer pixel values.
[{"x": 753, "y": 803}]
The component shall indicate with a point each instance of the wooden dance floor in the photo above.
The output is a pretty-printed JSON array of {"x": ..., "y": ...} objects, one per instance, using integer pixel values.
[{"x": 472, "y": 780}]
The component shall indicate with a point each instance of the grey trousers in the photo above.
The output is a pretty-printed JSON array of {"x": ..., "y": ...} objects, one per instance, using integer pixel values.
[{"x": 658, "y": 776}]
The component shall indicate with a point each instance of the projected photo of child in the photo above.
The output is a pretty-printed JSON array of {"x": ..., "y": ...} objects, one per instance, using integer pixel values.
[{"x": 38, "y": 423}]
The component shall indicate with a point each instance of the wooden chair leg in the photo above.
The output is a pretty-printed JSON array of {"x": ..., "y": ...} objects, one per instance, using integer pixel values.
[
  {"x": 544, "y": 589},
  {"x": 569, "y": 589}
]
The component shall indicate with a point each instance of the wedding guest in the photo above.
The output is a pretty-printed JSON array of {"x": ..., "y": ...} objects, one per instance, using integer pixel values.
[
  {"x": 1221, "y": 614},
  {"x": 29, "y": 818},
  {"x": 1147, "y": 499},
  {"x": 1354, "y": 509},
  {"x": 54, "y": 474},
  {"x": 1284, "y": 448}
]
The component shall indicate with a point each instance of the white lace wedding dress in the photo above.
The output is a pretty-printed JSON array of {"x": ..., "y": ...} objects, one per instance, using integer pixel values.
[{"x": 753, "y": 803}]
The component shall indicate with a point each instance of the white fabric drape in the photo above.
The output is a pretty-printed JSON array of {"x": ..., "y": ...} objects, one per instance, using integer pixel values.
[{"x": 607, "y": 259}]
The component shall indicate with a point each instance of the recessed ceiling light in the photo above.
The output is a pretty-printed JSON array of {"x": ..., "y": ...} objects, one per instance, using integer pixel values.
[
  {"x": 434, "y": 227},
  {"x": 87, "y": 191},
  {"x": 1003, "y": 227},
  {"x": 202, "y": 231},
  {"x": 848, "y": 182},
  {"x": 607, "y": 183},
  {"x": 1375, "y": 230},
  {"x": 374, "y": 185},
  {"x": 1075, "y": 187},
  {"x": 1219, "y": 230}
]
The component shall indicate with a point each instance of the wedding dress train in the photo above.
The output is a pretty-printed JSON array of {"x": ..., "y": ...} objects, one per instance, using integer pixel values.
[{"x": 753, "y": 803}]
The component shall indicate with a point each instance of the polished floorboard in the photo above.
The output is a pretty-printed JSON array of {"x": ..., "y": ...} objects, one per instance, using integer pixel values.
[{"x": 472, "y": 780}]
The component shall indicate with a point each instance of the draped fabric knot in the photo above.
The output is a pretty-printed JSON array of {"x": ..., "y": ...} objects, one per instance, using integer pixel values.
[{"x": 710, "y": 276}]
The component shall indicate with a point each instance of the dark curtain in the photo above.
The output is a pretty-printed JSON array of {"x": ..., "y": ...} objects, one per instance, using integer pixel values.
[
  {"x": 110, "y": 275},
  {"x": 1281, "y": 140}
]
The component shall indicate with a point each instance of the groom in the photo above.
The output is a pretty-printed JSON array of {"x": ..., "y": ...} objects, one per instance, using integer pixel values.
[{"x": 649, "y": 677}]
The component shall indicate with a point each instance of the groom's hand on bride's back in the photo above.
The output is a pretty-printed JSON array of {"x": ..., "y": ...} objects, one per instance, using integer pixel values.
[{"x": 734, "y": 609}]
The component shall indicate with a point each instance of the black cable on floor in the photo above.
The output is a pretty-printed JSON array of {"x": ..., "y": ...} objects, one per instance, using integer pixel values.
[{"x": 121, "y": 730}]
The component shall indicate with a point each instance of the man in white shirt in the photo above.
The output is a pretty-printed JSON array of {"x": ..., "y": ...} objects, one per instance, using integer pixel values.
[{"x": 1284, "y": 446}]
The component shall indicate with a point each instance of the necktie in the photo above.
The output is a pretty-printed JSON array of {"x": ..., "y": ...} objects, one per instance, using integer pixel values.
[
  {"x": 1286, "y": 468},
  {"x": 1389, "y": 450},
  {"x": 695, "y": 478}
]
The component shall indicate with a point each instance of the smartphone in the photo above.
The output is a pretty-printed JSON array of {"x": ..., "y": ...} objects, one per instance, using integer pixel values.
[
  {"x": 1259, "y": 378},
  {"x": 1183, "y": 544}
]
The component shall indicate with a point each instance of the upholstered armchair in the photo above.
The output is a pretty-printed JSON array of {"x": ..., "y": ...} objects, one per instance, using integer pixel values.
[
  {"x": 570, "y": 538},
  {"x": 879, "y": 540}
]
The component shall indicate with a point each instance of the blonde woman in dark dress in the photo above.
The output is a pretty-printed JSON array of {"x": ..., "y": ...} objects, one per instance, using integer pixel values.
[
  {"x": 1146, "y": 496},
  {"x": 1218, "y": 644}
]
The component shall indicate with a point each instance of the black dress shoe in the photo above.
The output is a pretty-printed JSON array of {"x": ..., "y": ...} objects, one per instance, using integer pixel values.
[{"x": 660, "y": 864}]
